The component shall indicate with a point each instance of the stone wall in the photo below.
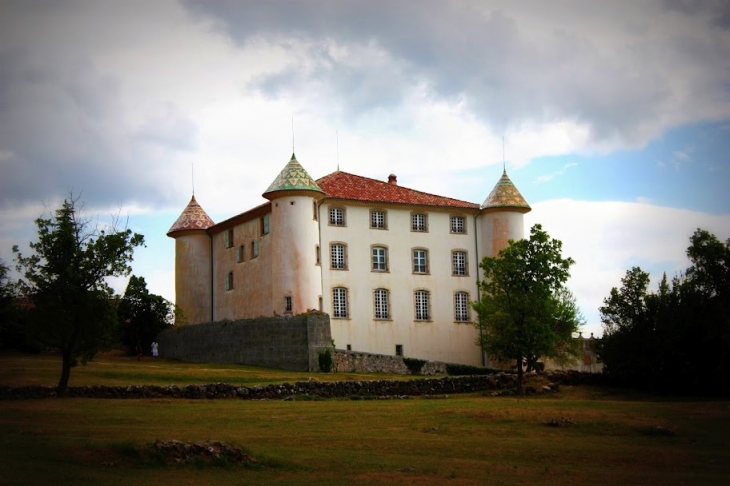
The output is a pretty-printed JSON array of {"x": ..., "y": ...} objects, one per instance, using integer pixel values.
[
  {"x": 358, "y": 362},
  {"x": 290, "y": 343}
]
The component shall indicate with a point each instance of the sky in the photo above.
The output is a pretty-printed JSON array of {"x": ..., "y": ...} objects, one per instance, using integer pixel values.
[{"x": 612, "y": 118}]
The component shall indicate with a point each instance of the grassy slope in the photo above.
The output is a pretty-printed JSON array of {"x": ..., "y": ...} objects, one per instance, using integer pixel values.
[{"x": 458, "y": 440}]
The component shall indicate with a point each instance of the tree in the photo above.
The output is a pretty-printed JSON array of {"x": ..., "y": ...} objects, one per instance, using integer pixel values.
[
  {"x": 71, "y": 309},
  {"x": 7, "y": 314},
  {"x": 525, "y": 312},
  {"x": 677, "y": 338},
  {"x": 142, "y": 315}
]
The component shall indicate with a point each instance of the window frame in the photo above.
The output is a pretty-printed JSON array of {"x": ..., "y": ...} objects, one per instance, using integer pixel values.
[
  {"x": 385, "y": 293},
  {"x": 228, "y": 284},
  {"x": 467, "y": 307},
  {"x": 385, "y": 262},
  {"x": 334, "y": 244},
  {"x": 288, "y": 304},
  {"x": 454, "y": 268},
  {"x": 333, "y": 221},
  {"x": 453, "y": 217},
  {"x": 241, "y": 254},
  {"x": 254, "y": 249},
  {"x": 428, "y": 315},
  {"x": 413, "y": 261},
  {"x": 384, "y": 222},
  {"x": 265, "y": 224},
  {"x": 344, "y": 305},
  {"x": 416, "y": 229}
]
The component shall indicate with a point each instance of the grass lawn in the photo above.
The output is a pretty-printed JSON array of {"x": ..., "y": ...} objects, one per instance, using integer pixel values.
[{"x": 608, "y": 437}]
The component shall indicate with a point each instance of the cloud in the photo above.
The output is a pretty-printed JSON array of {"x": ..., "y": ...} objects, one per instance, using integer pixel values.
[
  {"x": 608, "y": 238},
  {"x": 624, "y": 73},
  {"x": 557, "y": 173}
]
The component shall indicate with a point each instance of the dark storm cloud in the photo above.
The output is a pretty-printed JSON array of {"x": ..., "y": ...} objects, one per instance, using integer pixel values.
[
  {"x": 508, "y": 71},
  {"x": 62, "y": 129},
  {"x": 717, "y": 10}
]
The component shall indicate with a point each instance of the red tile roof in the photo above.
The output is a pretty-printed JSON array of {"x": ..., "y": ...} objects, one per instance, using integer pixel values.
[{"x": 343, "y": 185}]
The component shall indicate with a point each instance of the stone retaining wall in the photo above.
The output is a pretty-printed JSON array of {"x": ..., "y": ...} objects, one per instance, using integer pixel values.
[
  {"x": 358, "y": 362},
  {"x": 290, "y": 343}
]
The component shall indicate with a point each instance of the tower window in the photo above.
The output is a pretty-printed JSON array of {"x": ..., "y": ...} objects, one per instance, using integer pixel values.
[{"x": 287, "y": 304}]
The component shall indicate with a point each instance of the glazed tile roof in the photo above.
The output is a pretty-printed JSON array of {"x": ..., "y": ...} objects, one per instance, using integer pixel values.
[
  {"x": 343, "y": 185},
  {"x": 193, "y": 217},
  {"x": 293, "y": 178},
  {"x": 505, "y": 195}
]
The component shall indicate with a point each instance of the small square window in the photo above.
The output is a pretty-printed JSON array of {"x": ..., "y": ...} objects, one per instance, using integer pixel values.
[
  {"x": 349, "y": 347},
  {"x": 337, "y": 217},
  {"x": 458, "y": 225},
  {"x": 419, "y": 222},
  {"x": 399, "y": 350},
  {"x": 378, "y": 219}
]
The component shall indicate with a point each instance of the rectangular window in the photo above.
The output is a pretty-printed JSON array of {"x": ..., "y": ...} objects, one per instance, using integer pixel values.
[
  {"x": 378, "y": 219},
  {"x": 458, "y": 263},
  {"x": 461, "y": 307},
  {"x": 399, "y": 350},
  {"x": 337, "y": 217},
  {"x": 240, "y": 253},
  {"x": 422, "y": 305},
  {"x": 419, "y": 222},
  {"x": 265, "y": 222},
  {"x": 229, "y": 281},
  {"x": 315, "y": 211},
  {"x": 317, "y": 255},
  {"x": 338, "y": 260},
  {"x": 228, "y": 237},
  {"x": 380, "y": 259},
  {"x": 382, "y": 307},
  {"x": 420, "y": 261},
  {"x": 339, "y": 302},
  {"x": 254, "y": 249},
  {"x": 458, "y": 225},
  {"x": 287, "y": 304}
]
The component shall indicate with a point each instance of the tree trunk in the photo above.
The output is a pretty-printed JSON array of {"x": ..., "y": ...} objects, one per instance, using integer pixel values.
[
  {"x": 519, "y": 374},
  {"x": 65, "y": 372}
]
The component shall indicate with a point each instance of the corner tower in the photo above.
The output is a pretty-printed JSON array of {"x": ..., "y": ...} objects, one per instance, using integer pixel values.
[
  {"x": 502, "y": 215},
  {"x": 296, "y": 278},
  {"x": 193, "y": 269}
]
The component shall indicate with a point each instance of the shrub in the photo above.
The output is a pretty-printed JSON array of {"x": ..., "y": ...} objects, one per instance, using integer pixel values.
[
  {"x": 326, "y": 363},
  {"x": 414, "y": 365}
]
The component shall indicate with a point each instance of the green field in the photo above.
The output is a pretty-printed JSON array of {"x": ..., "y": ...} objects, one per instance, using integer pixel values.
[{"x": 608, "y": 436}]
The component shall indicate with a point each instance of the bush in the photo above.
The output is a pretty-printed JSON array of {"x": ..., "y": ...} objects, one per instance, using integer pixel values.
[
  {"x": 326, "y": 363},
  {"x": 461, "y": 370},
  {"x": 414, "y": 365}
]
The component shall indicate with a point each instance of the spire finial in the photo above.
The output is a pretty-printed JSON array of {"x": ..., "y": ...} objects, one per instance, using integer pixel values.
[
  {"x": 504, "y": 164},
  {"x": 292, "y": 137},
  {"x": 192, "y": 176},
  {"x": 337, "y": 135}
]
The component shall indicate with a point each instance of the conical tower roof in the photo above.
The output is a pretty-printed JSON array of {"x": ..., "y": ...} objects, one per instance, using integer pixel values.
[
  {"x": 292, "y": 178},
  {"x": 506, "y": 196},
  {"x": 193, "y": 217}
]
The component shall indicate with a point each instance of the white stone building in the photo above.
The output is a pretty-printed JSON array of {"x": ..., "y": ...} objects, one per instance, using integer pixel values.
[{"x": 395, "y": 268}]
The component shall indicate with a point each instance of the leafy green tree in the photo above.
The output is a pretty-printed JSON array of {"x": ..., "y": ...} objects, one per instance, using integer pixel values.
[
  {"x": 65, "y": 281},
  {"x": 676, "y": 338},
  {"x": 524, "y": 310},
  {"x": 7, "y": 314},
  {"x": 143, "y": 315}
]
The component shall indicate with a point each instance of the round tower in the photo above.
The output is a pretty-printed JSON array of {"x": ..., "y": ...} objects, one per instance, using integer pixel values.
[
  {"x": 296, "y": 278},
  {"x": 502, "y": 217},
  {"x": 193, "y": 270}
]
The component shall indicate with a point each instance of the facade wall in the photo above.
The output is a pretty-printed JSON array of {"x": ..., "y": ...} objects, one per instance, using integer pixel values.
[
  {"x": 497, "y": 228},
  {"x": 291, "y": 343},
  {"x": 192, "y": 276},
  {"x": 439, "y": 338},
  {"x": 251, "y": 294}
]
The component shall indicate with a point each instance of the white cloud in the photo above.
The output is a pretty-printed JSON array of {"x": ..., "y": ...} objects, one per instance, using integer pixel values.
[
  {"x": 608, "y": 238},
  {"x": 557, "y": 173}
]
